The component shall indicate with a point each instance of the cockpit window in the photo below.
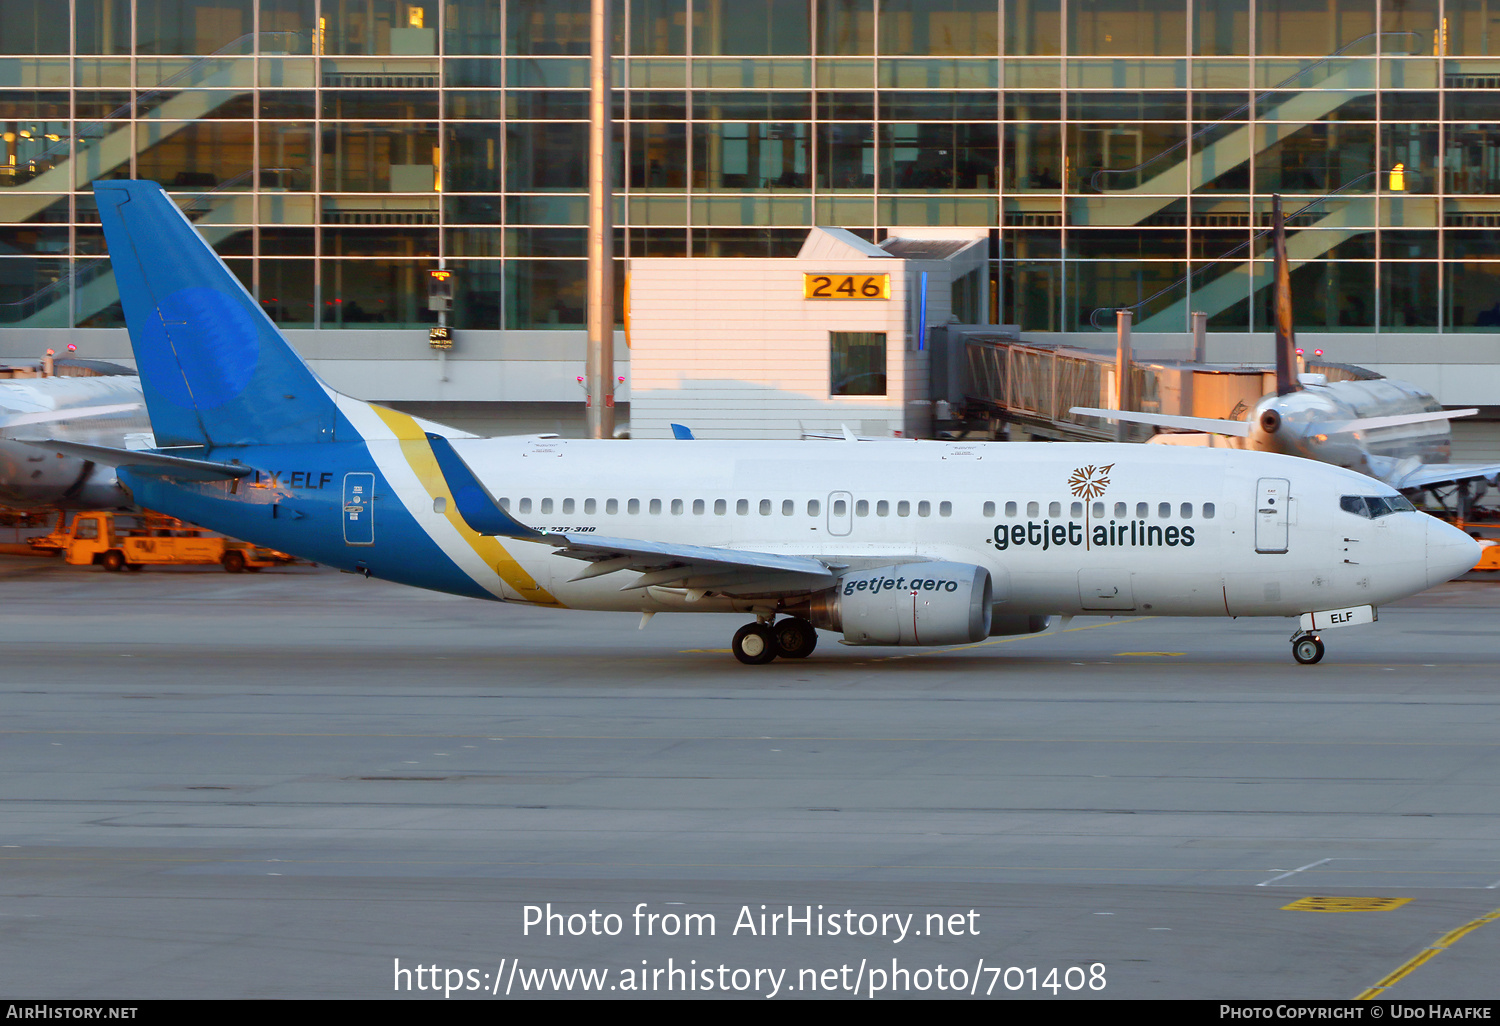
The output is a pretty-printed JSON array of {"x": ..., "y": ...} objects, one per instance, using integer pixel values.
[{"x": 1373, "y": 506}]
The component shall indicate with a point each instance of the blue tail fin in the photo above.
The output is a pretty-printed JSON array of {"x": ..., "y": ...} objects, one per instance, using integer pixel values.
[{"x": 214, "y": 369}]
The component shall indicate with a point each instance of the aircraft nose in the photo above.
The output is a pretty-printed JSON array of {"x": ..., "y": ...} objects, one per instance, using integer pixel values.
[{"x": 1450, "y": 552}]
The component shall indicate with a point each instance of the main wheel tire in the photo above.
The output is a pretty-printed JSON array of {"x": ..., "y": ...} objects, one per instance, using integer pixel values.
[
  {"x": 234, "y": 561},
  {"x": 1307, "y": 650},
  {"x": 113, "y": 560},
  {"x": 795, "y": 638},
  {"x": 754, "y": 645}
]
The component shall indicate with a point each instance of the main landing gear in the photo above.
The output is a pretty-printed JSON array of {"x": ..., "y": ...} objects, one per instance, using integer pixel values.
[
  {"x": 1306, "y": 648},
  {"x": 759, "y": 642}
]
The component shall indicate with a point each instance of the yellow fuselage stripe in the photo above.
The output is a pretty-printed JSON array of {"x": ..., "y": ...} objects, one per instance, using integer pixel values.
[{"x": 417, "y": 452}]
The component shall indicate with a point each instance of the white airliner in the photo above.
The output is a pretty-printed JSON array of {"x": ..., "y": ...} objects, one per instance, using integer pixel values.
[
  {"x": 886, "y": 543},
  {"x": 1390, "y": 430},
  {"x": 103, "y": 410}
]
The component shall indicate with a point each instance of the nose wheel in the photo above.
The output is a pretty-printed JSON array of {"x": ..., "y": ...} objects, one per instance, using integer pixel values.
[{"x": 1307, "y": 648}]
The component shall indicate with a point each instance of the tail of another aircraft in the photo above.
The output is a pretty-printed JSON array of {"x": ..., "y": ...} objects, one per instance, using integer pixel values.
[
  {"x": 1286, "y": 337},
  {"x": 214, "y": 369}
]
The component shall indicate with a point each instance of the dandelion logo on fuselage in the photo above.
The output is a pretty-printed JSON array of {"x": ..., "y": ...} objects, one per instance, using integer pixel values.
[{"x": 1090, "y": 482}]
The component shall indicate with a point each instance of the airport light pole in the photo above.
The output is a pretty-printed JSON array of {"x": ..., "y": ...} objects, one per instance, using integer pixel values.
[
  {"x": 599, "y": 372},
  {"x": 1123, "y": 362}
]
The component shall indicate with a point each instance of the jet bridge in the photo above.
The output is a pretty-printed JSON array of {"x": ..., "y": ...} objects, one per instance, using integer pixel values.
[{"x": 1031, "y": 386}]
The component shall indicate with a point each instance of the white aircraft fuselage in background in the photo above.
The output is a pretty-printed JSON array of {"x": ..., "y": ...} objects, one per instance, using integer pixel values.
[{"x": 105, "y": 410}]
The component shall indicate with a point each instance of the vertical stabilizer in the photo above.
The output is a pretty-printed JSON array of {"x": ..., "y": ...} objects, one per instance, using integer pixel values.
[
  {"x": 214, "y": 369},
  {"x": 1286, "y": 339}
]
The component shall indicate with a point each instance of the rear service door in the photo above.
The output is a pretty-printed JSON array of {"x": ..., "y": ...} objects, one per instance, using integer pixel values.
[{"x": 359, "y": 509}]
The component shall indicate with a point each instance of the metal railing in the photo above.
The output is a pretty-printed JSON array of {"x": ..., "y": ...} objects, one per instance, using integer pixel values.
[
  {"x": 1097, "y": 179},
  {"x": 83, "y": 273},
  {"x": 1102, "y": 317},
  {"x": 243, "y": 46}
]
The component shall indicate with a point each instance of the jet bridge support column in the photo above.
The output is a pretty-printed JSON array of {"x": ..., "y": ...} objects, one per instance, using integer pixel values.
[{"x": 1122, "y": 370}]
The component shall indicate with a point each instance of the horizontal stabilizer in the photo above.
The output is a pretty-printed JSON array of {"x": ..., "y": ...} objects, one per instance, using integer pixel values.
[
  {"x": 179, "y": 468},
  {"x": 1213, "y": 425},
  {"x": 15, "y": 420},
  {"x": 1395, "y": 420},
  {"x": 474, "y": 501}
]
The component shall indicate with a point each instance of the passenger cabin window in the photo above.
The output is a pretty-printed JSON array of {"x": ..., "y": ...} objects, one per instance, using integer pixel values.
[
  {"x": 989, "y": 509},
  {"x": 1054, "y": 509},
  {"x": 1208, "y": 511},
  {"x": 840, "y": 507},
  {"x": 1098, "y": 509},
  {"x": 862, "y": 507},
  {"x": 698, "y": 507},
  {"x": 633, "y": 506},
  {"x": 590, "y": 507},
  {"x": 882, "y": 508},
  {"x": 655, "y": 507},
  {"x": 788, "y": 507},
  {"x": 1120, "y": 508},
  {"x": 546, "y": 506},
  {"x": 1143, "y": 510},
  {"x": 567, "y": 505},
  {"x": 525, "y": 505},
  {"x": 505, "y": 504},
  {"x": 924, "y": 508},
  {"x": 945, "y": 509},
  {"x": 721, "y": 506},
  {"x": 1186, "y": 510},
  {"x": 742, "y": 507},
  {"x": 1076, "y": 510},
  {"x": 813, "y": 506},
  {"x": 611, "y": 507},
  {"x": 1164, "y": 510},
  {"x": 1033, "y": 509},
  {"x": 677, "y": 507},
  {"x": 903, "y": 508},
  {"x": 1010, "y": 509},
  {"x": 765, "y": 507}
]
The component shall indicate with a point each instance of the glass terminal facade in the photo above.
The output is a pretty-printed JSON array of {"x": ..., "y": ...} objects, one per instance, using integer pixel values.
[{"x": 1121, "y": 152}]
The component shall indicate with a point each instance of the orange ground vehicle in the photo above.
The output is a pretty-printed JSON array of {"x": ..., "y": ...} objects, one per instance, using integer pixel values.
[{"x": 97, "y": 538}]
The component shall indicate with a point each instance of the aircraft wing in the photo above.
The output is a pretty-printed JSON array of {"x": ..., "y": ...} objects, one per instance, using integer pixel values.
[
  {"x": 1396, "y": 420},
  {"x": 1213, "y": 425},
  {"x": 1425, "y": 475},
  {"x": 12, "y": 420},
  {"x": 669, "y": 564},
  {"x": 736, "y": 571}
]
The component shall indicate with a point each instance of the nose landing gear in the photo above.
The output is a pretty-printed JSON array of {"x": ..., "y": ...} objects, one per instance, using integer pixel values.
[
  {"x": 1307, "y": 648},
  {"x": 756, "y": 644}
]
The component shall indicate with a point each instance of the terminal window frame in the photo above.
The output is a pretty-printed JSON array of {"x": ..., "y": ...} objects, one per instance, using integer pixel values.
[{"x": 856, "y": 363}]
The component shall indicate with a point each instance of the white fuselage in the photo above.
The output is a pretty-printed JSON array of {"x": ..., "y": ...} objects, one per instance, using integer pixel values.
[
  {"x": 1062, "y": 528},
  {"x": 32, "y": 478}
]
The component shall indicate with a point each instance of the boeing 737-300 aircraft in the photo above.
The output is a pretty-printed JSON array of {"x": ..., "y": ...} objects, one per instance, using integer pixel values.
[{"x": 888, "y": 543}]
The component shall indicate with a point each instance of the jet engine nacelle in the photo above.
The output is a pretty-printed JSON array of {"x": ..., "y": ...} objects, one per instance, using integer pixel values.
[{"x": 908, "y": 604}]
